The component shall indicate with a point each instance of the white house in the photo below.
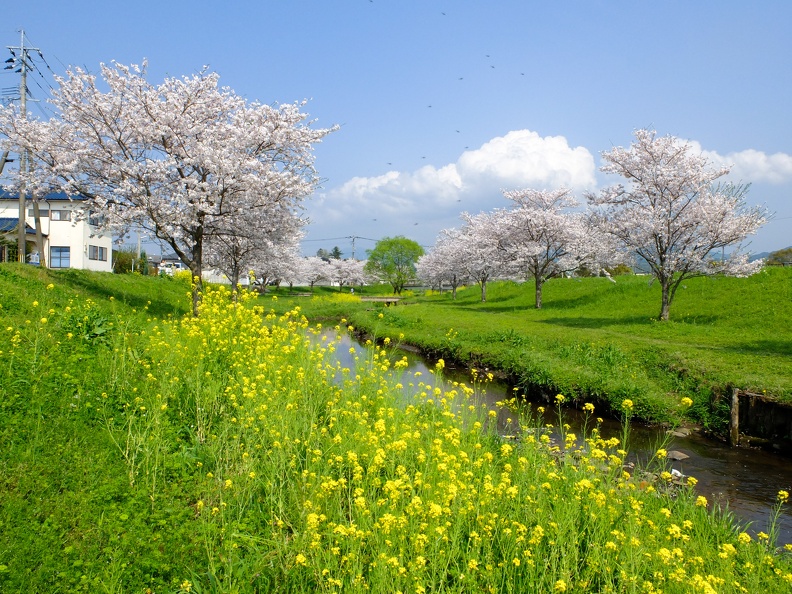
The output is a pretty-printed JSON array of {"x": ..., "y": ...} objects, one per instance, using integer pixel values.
[{"x": 70, "y": 241}]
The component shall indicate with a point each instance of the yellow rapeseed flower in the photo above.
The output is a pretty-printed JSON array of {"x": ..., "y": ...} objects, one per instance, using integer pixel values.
[{"x": 701, "y": 501}]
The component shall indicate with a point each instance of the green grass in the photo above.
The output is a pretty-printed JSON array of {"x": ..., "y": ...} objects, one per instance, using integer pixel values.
[
  {"x": 594, "y": 339},
  {"x": 66, "y": 338},
  {"x": 229, "y": 453}
]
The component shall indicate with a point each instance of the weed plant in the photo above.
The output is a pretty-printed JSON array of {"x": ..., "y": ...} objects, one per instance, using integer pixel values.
[{"x": 231, "y": 452}]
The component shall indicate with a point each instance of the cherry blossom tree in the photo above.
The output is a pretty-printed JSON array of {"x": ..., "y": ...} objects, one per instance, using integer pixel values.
[
  {"x": 315, "y": 270},
  {"x": 268, "y": 233},
  {"x": 442, "y": 264},
  {"x": 672, "y": 214},
  {"x": 347, "y": 272},
  {"x": 181, "y": 159},
  {"x": 542, "y": 238},
  {"x": 477, "y": 250},
  {"x": 277, "y": 261}
]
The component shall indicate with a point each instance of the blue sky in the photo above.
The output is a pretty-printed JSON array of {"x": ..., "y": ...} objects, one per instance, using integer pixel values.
[{"x": 443, "y": 104}]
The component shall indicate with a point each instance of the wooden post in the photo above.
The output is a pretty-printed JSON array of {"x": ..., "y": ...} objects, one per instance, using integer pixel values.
[{"x": 734, "y": 419}]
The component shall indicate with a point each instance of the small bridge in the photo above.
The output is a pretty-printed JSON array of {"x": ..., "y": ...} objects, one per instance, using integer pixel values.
[{"x": 386, "y": 300}]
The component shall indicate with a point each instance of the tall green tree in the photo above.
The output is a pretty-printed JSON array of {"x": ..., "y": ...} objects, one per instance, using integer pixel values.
[
  {"x": 323, "y": 254},
  {"x": 780, "y": 257},
  {"x": 393, "y": 261}
]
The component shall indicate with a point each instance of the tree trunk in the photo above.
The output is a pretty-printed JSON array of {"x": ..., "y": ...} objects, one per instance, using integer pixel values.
[
  {"x": 196, "y": 282},
  {"x": 234, "y": 283},
  {"x": 197, "y": 287},
  {"x": 539, "y": 284},
  {"x": 196, "y": 267},
  {"x": 39, "y": 234},
  {"x": 483, "y": 291},
  {"x": 665, "y": 300}
]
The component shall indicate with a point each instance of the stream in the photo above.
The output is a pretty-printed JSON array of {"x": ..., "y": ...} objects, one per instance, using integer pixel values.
[{"x": 744, "y": 481}]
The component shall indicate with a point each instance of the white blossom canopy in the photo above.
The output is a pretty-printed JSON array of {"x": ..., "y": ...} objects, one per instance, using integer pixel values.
[
  {"x": 671, "y": 213},
  {"x": 182, "y": 159}
]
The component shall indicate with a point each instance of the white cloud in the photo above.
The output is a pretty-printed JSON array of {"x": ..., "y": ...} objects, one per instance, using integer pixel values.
[
  {"x": 751, "y": 165},
  {"x": 420, "y": 203},
  {"x": 519, "y": 159},
  {"x": 524, "y": 159}
]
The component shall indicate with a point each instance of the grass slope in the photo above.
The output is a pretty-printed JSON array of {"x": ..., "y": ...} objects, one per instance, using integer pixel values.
[
  {"x": 596, "y": 339},
  {"x": 228, "y": 453},
  {"x": 66, "y": 510}
]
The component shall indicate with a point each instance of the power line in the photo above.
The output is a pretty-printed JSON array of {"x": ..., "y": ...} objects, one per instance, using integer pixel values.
[{"x": 352, "y": 237}]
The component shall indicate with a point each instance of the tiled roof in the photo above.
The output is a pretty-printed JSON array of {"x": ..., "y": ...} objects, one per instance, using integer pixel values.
[
  {"x": 9, "y": 224},
  {"x": 52, "y": 197}
]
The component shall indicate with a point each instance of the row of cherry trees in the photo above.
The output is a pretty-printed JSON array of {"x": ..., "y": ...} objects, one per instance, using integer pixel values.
[
  {"x": 218, "y": 179},
  {"x": 537, "y": 238},
  {"x": 314, "y": 270},
  {"x": 670, "y": 215}
]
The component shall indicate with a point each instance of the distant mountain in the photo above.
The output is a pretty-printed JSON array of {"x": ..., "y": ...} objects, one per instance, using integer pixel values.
[
  {"x": 765, "y": 255},
  {"x": 642, "y": 266},
  {"x": 751, "y": 258}
]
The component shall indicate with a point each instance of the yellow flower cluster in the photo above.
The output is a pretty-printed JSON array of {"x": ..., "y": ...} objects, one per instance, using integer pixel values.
[{"x": 370, "y": 479}]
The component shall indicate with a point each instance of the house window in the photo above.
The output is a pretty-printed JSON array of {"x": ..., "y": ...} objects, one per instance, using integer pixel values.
[
  {"x": 43, "y": 213},
  {"x": 97, "y": 253},
  {"x": 95, "y": 219},
  {"x": 60, "y": 215},
  {"x": 60, "y": 257}
]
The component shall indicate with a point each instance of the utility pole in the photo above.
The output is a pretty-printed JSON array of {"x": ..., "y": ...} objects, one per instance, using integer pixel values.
[
  {"x": 353, "y": 238},
  {"x": 24, "y": 155}
]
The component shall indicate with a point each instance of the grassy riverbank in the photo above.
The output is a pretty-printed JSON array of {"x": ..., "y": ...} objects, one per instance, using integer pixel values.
[
  {"x": 594, "y": 339},
  {"x": 150, "y": 452}
]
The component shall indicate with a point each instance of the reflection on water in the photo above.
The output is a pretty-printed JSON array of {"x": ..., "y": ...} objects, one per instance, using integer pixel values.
[{"x": 742, "y": 480}]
